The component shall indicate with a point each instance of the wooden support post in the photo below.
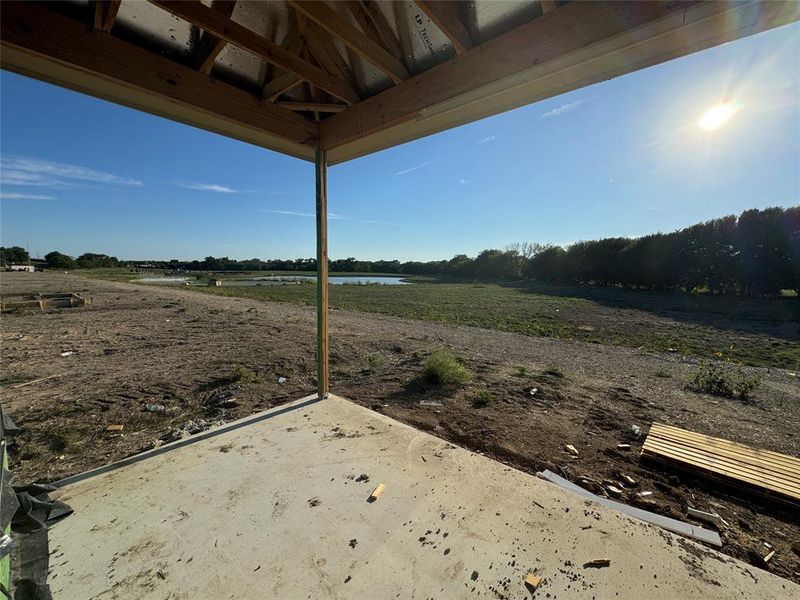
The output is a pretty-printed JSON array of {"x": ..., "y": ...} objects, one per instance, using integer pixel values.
[{"x": 322, "y": 272}]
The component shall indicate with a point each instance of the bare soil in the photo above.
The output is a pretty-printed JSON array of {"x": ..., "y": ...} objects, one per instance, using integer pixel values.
[{"x": 207, "y": 359}]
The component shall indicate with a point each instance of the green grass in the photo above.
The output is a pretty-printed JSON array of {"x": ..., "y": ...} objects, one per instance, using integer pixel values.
[
  {"x": 721, "y": 380},
  {"x": 751, "y": 331},
  {"x": 442, "y": 367}
]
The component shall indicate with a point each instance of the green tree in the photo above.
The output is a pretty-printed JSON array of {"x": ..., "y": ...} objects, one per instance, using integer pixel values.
[{"x": 56, "y": 260}]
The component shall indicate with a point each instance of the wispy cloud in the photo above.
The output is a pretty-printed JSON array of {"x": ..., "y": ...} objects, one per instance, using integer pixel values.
[
  {"x": 463, "y": 181},
  {"x": 487, "y": 139},
  {"x": 16, "y": 196},
  {"x": 331, "y": 216},
  {"x": 420, "y": 166},
  {"x": 209, "y": 187},
  {"x": 25, "y": 170},
  {"x": 563, "y": 109},
  {"x": 293, "y": 213}
]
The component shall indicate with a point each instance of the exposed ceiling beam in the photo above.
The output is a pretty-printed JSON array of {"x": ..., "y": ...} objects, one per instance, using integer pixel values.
[
  {"x": 327, "y": 18},
  {"x": 275, "y": 88},
  {"x": 210, "y": 45},
  {"x": 224, "y": 28},
  {"x": 445, "y": 16},
  {"x": 41, "y": 43},
  {"x": 105, "y": 13},
  {"x": 372, "y": 23},
  {"x": 321, "y": 46},
  {"x": 579, "y": 44},
  {"x": 312, "y": 106}
]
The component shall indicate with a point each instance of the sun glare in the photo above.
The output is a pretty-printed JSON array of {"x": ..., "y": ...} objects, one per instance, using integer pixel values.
[{"x": 716, "y": 116}]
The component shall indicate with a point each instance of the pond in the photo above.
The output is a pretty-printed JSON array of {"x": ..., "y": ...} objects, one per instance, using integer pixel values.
[
  {"x": 281, "y": 279},
  {"x": 332, "y": 280}
]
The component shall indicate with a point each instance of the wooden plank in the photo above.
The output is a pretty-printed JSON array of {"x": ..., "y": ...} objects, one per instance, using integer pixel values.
[
  {"x": 684, "y": 434},
  {"x": 324, "y": 51},
  {"x": 746, "y": 455},
  {"x": 673, "y": 525},
  {"x": 724, "y": 467},
  {"x": 445, "y": 16},
  {"x": 275, "y": 88},
  {"x": 224, "y": 28},
  {"x": 210, "y": 45},
  {"x": 313, "y": 106},
  {"x": 713, "y": 475},
  {"x": 771, "y": 473},
  {"x": 322, "y": 273},
  {"x": 45, "y": 45},
  {"x": 579, "y": 44},
  {"x": 105, "y": 13},
  {"x": 370, "y": 19},
  {"x": 327, "y": 18}
]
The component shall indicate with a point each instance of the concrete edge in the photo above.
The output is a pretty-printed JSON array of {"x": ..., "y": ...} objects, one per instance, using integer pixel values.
[{"x": 199, "y": 437}]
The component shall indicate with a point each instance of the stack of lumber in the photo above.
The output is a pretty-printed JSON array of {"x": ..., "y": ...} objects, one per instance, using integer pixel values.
[{"x": 763, "y": 472}]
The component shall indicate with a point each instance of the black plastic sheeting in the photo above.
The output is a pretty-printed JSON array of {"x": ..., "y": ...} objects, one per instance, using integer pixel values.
[{"x": 31, "y": 512}]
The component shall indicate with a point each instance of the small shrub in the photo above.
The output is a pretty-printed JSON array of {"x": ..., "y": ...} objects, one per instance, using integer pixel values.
[
  {"x": 242, "y": 375},
  {"x": 375, "y": 361},
  {"x": 444, "y": 368},
  {"x": 716, "y": 379},
  {"x": 483, "y": 398},
  {"x": 522, "y": 371},
  {"x": 662, "y": 373}
]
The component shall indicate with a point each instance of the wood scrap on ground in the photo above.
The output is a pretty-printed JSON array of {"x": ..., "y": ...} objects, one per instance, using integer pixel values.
[
  {"x": 770, "y": 474},
  {"x": 532, "y": 581},
  {"x": 376, "y": 493}
]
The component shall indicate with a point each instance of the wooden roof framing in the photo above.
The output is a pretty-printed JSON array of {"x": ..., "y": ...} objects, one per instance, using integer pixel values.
[{"x": 374, "y": 74}]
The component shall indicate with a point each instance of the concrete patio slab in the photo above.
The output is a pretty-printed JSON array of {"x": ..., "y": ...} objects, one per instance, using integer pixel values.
[{"x": 277, "y": 508}]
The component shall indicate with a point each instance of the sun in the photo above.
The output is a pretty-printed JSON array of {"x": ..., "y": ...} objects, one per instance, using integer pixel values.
[{"x": 716, "y": 116}]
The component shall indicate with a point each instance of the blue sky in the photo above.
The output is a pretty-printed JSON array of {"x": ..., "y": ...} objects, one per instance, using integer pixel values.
[{"x": 620, "y": 158}]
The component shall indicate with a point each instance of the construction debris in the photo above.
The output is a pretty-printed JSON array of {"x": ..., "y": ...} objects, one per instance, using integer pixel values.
[
  {"x": 623, "y": 446},
  {"x": 673, "y": 525},
  {"x": 376, "y": 493},
  {"x": 597, "y": 563},
  {"x": 115, "y": 427},
  {"x": 615, "y": 491},
  {"x": 571, "y": 449},
  {"x": 628, "y": 479},
  {"x": 19, "y": 385},
  {"x": 532, "y": 581},
  {"x": 704, "y": 516},
  {"x": 771, "y": 474}
]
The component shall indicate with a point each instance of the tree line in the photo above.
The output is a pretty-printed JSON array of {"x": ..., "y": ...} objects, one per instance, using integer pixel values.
[{"x": 757, "y": 252}]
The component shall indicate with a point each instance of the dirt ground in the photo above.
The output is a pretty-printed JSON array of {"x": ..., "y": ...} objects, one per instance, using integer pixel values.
[{"x": 167, "y": 362}]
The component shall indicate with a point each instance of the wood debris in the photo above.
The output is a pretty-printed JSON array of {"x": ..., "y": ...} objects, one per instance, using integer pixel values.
[
  {"x": 700, "y": 515},
  {"x": 629, "y": 480},
  {"x": 376, "y": 493},
  {"x": 532, "y": 581},
  {"x": 597, "y": 563},
  {"x": 571, "y": 449},
  {"x": 623, "y": 446},
  {"x": 115, "y": 427}
]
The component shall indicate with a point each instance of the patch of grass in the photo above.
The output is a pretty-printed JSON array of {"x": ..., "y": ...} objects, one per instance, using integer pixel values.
[
  {"x": 663, "y": 373},
  {"x": 720, "y": 380},
  {"x": 375, "y": 361},
  {"x": 483, "y": 398},
  {"x": 442, "y": 367},
  {"x": 694, "y": 325},
  {"x": 61, "y": 438},
  {"x": 522, "y": 371},
  {"x": 243, "y": 375}
]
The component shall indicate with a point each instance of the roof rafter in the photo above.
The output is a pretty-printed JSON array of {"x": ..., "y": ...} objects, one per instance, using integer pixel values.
[
  {"x": 445, "y": 16},
  {"x": 371, "y": 21},
  {"x": 224, "y": 28},
  {"x": 41, "y": 43},
  {"x": 327, "y": 18},
  {"x": 324, "y": 51},
  {"x": 312, "y": 106},
  {"x": 210, "y": 45},
  {"x": 105, "y": 13},
  {"x": 579, "y": 44}
]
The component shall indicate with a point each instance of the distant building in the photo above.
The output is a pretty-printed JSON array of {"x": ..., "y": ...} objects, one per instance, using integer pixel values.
[{"x": 26, "y": 268}]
